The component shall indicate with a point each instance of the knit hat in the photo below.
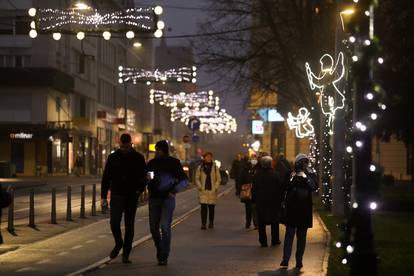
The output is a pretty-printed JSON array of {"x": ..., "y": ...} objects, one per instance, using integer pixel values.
[
  {"x": 300, "y": 157},
  {"x": 162, "y": 146},
  {"x": 266, "y": 162}
]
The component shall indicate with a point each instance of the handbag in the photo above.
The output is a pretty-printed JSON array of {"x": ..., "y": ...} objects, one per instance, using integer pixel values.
[{"x": 246, "y": 192}]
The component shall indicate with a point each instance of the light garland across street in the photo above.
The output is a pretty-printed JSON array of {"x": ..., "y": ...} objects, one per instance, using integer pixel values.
[
  {"x": 91, "y": 21},
  {"x": 138, "y": 75}
]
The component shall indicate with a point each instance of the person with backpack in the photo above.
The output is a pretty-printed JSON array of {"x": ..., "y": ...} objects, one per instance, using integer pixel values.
[
  {"x": 166, "y": 179},
  {"x": 298, "y": 213},
  {"x": 125, "y": 176},
  {"x": 208, "y": 180},
  {"x": 266, "y": 195}
]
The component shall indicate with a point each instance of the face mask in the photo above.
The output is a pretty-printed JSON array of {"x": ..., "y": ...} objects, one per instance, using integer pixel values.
[{"x": 253, "y": 161}]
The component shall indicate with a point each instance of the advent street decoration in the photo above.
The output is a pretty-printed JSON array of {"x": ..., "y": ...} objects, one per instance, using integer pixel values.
[
  {"x": 138, "y": 75},
  {"x": 331, "y": 98},
  {"x": 302, "y": 123},
  {"x": 82, "y": 19}
]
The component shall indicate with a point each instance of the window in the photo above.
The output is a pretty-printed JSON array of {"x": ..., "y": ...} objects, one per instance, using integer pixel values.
[{"x": 106, "y": 94}]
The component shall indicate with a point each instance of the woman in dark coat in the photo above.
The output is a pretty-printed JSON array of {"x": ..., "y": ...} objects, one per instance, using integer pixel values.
[
  {"x": 266, "y": 194},
  {"x": 246, "y": 177},
  {"x": 298, "y": 204}
]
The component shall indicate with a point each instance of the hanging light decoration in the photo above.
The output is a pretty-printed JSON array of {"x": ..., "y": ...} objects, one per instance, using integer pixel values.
[
  {"x": 138, "y": 75},
  {"x": 91, "y": 21}
]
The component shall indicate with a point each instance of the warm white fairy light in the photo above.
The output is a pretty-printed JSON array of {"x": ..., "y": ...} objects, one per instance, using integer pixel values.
[
  {"x": 372, "y": 168},
  {"x": 349, "y": 149},
  {"x": 380, "y": 60},
  {"x": 33, "y": 33},
  {"x": 344, "y": 261},
  {"x": 135, "y": 75},
  {"x": 327, "y": 82},
  {"x": 80, "y": 35},
  {"x": 373, "y": 205},
  {"x": 369, "y": 96},
  {"x": 158, "y": 33},
  {"x": 374, "y": 116},
  {"x": 358, "y": 144},
  {"x": 89, "y": 20},
  {"x": 355, "y": 58},
  {"x": 349, "y": 249},
  {"x": 352, "y": 39},
  {"x": 354, "y": 205},
  {"x": 302, "y": 123},
  {"x": 338, "y": 244},
  {"x": 57, "y": 36},
  {"x": 106, "y": 35}
]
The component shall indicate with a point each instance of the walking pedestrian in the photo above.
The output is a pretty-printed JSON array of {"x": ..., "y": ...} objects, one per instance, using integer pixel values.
[
  {"x": 208, "y": 180},
  {"x": 246, "y": 180},
  {"x": 298, "y": 214},
  {"x": 266, "y": 195},
  {"x": 167, "y": 178},
  {"x": 235, "y": 172},
  {"x": 125, "y": 176}
]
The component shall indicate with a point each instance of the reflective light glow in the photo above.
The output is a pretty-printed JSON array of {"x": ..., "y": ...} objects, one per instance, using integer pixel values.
[
  {"x": 136, "y": 75},
  {"x": 302, "y": 123},
  {"x": 327, "y": 82}
]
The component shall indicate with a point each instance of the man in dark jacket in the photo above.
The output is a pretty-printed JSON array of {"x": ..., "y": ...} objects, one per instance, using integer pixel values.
[
  {"x": 167, "y": 178},
  {"x": 298, "y": 202},
  {"x": 235, "y": 172},
  {"x": 266, "y": 194},
  {"x": 125, "y": 176}
]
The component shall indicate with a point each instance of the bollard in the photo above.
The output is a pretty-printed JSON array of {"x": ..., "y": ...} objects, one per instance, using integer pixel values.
[
  {"x": 10, "y": 219},
  {"x": 31, "y": 209},
  {"x": 69, "y": 204},
  {"x": 82, "y": 203},
  {"x": 53, "y": 211},
  {"x": 93, "y": 208}
]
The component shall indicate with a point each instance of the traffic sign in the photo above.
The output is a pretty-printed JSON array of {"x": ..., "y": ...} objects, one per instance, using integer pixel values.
[
  {"x": 194, "y": 123},
  {"x": 195, "y": 138}
]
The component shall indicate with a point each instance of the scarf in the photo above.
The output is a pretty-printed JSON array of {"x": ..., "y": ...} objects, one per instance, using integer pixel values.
[{"x": 207, "y": 167}]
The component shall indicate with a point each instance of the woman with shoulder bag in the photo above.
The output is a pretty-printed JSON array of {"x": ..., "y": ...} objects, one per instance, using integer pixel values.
[
  {"x": 298, "y": 209},
  {"x": 246, "y": 179},
  {"x": 208, "y": 181}
]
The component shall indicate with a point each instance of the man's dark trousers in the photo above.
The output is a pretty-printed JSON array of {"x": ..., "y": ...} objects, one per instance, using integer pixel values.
[
  {"x": 300, "y": 243},
  {"x": 128, "y": 206},
  {"x": 160, "y": 217}
]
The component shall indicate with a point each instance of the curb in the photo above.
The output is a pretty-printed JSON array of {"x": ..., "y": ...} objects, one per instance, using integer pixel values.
[
  {"x": 325, "y": 262},
  {"x": 105, "y": 261}
]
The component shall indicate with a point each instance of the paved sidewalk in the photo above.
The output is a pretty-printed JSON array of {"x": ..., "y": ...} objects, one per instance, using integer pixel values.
[{"x": 227, "y": 250}]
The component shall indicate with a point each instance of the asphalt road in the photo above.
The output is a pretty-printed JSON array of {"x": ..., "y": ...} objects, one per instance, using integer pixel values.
[
  {"x": 77, "y": 249},
  {"x": 227, "y": 250}
]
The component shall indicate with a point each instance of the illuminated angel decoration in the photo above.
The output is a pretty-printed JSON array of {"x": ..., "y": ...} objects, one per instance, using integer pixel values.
[
  {"x": 331, "y": 97},
  {"x": 302, "y": 123}
]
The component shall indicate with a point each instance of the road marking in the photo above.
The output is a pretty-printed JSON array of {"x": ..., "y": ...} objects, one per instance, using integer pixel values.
[
  {"x": 91, "y": 241},
  {"x": 62, "y": 253},
  {"x": 44, "y": 261},
  {"x": 76, "y": 247},
  {"x": 25, "y": 269},
  {"x": 106, "y": 260}
]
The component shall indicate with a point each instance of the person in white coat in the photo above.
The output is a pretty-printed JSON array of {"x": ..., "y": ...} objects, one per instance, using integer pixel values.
[{"x": 207, "y": 179}]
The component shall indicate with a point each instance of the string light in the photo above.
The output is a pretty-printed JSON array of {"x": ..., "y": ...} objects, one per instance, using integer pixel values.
[
  {"x": 373, "y": 205},
  {"x": 135, "y": 75},
  {"x": 80, "y": 35},
  {"x": 57, "y": 36}
]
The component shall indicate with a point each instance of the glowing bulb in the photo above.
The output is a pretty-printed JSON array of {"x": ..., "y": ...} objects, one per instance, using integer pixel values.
[
  {"x": 106, "y": 35},
  {"x": 120, "y": 68},
  {"x": 33, "y": 25},
  {"x": 369, "y": 96},
  {"x": 194, "y": 68},
  {"x": 137, "y": 44},
  {"x": 338, "y": 245},
  {"x": 344, "y": 261},
  {"x": 194, "y": 80},
  {"x": 148, "y": 83},
  {"x": 349, "y": 149},
  {"x": 358, "y": 124},
  {"x": 355, "y": 205},
  {"x": 57, "y": 36},
  {"x": 81, "y": 6},
  {"x": 32, "y": 12},
  {"x": 33, "y": 33},
  {"x": 352, "y": 39},
  {"x": 356, "y": 1},
  {"x": 367, "y": 13},
  {"x": 367, "y": 42},
  {"x": 355, "y": 58},
  {"x": 130, "y": 35},
  {"x": 358, "y": 144},
  {"x": 380, "y": 60},
  {"x": 158, "y": 33},
  {"x": 374, "y": 116},
  {"x": 372, "y": 168},
  {"x": 158, "y": 10},
  {"x": 373, "y": 205},
  {"x": 349, "y": 249},
  {"x": 120, "y": 80},
  {"x": 383, "y": 107},
  {"x": 80, "y": 35},
  {"x": 160, "y": 25},
  {"x": 363, "y": 128}
]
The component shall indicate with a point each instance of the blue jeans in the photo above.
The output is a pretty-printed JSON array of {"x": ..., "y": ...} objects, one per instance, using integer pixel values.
[{"x": 160, "y": 218}]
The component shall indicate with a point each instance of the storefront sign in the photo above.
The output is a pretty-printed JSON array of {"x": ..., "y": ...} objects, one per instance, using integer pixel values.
[
  {"x": 21, "y": 135},
  {"x": 257, "y": 127}
]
